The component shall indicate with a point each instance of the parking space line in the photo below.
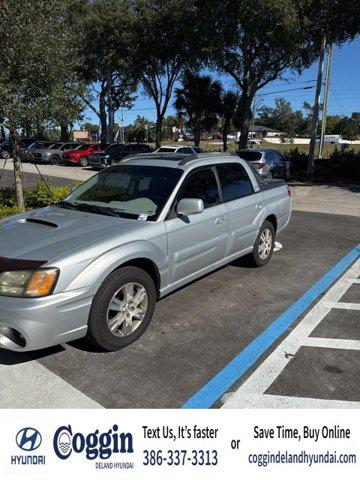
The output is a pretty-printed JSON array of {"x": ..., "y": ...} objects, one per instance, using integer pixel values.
[
  {"x": 265, "y": 375},
  {"x": 344, "y": 305},
  {"x": 234, "y": 370},
  {"x": 280, "y": 401},
  {"x": 332, "y": 343},
  {"x": 28, "y": 383}
]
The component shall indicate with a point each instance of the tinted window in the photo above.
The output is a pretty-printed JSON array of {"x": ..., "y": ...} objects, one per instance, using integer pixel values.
[
  {"x": 250, "y": 155},
  {"x": 234, "y": 180},
  {"x": 166, "y": 150},
  {"x": 185, "y": 150},
  {"x": 138, "y": 148},
  {"x": 202, "y": 185}
]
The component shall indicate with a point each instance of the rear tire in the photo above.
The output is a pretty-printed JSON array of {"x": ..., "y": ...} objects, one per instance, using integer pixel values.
[
  {"x": 117, "y": 317},
  {"x": 263, "y": 246}
]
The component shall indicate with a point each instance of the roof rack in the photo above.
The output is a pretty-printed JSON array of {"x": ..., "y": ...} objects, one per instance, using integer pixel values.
[{"x": 182, "y": 159}]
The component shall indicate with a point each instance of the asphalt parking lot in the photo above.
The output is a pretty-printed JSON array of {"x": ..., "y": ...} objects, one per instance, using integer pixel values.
[{"x": 199, "y": 329}]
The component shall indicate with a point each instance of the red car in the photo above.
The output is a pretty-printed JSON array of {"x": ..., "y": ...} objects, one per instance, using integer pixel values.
[{"x": 81, "y": 155}]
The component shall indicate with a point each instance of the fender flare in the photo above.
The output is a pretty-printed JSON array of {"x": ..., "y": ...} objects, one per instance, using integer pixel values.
[{"x": 96, "y": 272}]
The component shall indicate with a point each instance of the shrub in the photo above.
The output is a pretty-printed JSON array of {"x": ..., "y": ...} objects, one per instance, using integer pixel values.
[
  {"x": 8, "y": 211},
  {"x": 40, "y": 196},
  {"x": 340, "y": 164}
]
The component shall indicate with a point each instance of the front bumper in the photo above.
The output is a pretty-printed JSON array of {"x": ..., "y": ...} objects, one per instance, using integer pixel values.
[{"x": 35, "y": 323}]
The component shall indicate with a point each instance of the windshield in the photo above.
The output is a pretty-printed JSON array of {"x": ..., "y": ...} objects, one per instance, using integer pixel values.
[
  {"x": 250, "y": 155},
  {"x": 166, "y": 149},
  {"x": 86, "y": 146},
  {"x": 114, "y": 148},
  {"x": 130, "y": 191},
  {"x": 37, "y": 145},
  {"x": 55, "y": 146}
]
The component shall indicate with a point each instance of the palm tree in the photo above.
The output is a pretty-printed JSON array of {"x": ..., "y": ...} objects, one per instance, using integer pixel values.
[
  {"x": 199, "y": 100},
  {"x": 229, "y": 103}
]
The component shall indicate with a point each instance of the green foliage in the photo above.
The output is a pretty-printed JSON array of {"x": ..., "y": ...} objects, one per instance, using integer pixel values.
[
  {"x": 8, "y": 211},
  {"x": 165, "y": 42},
  {"x": 40, "y": 196},
  {"x": 341, "y": 164},
  {"x": 199, "y": 101},
  {"x": 37, "y": 62},
  {"x": 107, "y": 48},
  {"x": 283, "y": 118}
]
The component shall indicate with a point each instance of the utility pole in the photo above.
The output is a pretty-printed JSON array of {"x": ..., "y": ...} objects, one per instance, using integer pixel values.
[
  {"x": 326, "y": 96},
  {"x": 315, "y": 118}
]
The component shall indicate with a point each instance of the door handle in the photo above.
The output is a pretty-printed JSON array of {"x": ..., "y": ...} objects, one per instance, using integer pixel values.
[
  {"x": 258, "y": 206},
  {"x": 219, "y": 220}
]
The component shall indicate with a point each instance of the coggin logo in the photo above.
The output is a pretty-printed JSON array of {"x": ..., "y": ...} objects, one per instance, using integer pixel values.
[{"x": 94, "y": 445}]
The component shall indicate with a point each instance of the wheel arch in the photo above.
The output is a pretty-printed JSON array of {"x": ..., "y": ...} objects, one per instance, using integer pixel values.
[
  {"x": 273, "y": 220},
  {"x": 148, "y": 266}
]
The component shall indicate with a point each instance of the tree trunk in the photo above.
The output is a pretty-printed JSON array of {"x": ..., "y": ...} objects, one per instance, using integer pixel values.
[
  {"x": 64, "y": 133},
  {"x": 243, "y": 115},
  {"x": 197, "y": 136},
  {"x": 225, "y": 134},
  {"x": 103, "y": 120},
  {"x": 17, "y": 171},
  {"x": 158, "y": 131},
  {"x": 111, "y": 113}
]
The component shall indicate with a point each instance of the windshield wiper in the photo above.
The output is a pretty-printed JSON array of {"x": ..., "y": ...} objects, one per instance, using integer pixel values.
[
  {"x": 65, "y": 204},
  {"x": 96, "y": 209}
]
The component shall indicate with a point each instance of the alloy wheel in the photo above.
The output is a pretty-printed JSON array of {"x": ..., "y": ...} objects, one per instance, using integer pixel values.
[
  {"x": 127, "y": 309},
  {"x": 265, "y": 244}
]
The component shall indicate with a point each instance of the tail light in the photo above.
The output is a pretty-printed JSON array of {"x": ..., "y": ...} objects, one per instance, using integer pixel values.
[
  {"x": 289, "y": 191},
  {"x": 260, "y": 165}
]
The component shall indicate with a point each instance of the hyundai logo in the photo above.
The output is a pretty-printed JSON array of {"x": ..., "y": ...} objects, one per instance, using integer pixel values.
[{"x": 28, "y": 439}]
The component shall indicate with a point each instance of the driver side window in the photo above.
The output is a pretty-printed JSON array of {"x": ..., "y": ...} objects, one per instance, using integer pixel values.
[{"x": 202, "y": 185}]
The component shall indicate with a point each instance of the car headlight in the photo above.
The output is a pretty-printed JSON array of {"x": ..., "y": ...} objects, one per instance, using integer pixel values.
[{"x": 28, "y": 283}]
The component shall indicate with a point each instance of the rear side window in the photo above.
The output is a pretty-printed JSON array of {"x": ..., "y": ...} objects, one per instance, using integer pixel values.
[
  {"x": 185, "y": 150},
  {"x": 250, "y": 156},
  {"x": 202, "y": 185},
  {"x": 235, "y": 182}
]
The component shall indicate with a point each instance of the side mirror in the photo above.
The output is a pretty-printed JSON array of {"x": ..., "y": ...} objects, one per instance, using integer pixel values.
[{"x": 190, "y": 206}]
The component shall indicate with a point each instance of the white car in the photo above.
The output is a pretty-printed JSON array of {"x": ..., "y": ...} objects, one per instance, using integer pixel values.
[{"x": 189, "y": 149}]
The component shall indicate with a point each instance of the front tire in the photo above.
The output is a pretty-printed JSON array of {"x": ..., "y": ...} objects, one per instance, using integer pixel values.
[
  {"x": 122, "y": 309},
  {"x": 264, "y": 245},
  {"x": 84, "y": 162},
  {"x": 55, "y": 160},
  {"x": 5, "y": 155}
]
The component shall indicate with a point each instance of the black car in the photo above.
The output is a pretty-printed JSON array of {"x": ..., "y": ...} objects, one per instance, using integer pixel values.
[
  {"x": 117, "y": 152},
  {"x": 5, "y": 147}
]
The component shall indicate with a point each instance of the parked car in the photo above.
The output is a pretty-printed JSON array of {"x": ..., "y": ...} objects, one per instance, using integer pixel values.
[
  {"x": 53, "y": 154},
  {"x": 95, "y": 264},
  {"x": 267, "y": 162},
  {"x": 26, "y": 152},
  {"x": 115, "y": 153},
  {"x": 5, "y": 147},
  {"x": 80, "y": 156},
  {"x": 188, "y": 149}
]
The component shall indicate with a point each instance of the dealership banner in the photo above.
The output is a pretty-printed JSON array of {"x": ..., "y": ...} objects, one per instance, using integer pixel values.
[{"x": 167, "y": 444}]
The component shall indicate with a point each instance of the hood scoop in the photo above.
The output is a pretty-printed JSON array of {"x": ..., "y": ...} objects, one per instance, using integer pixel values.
[{"x": 41, "y": 222}]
